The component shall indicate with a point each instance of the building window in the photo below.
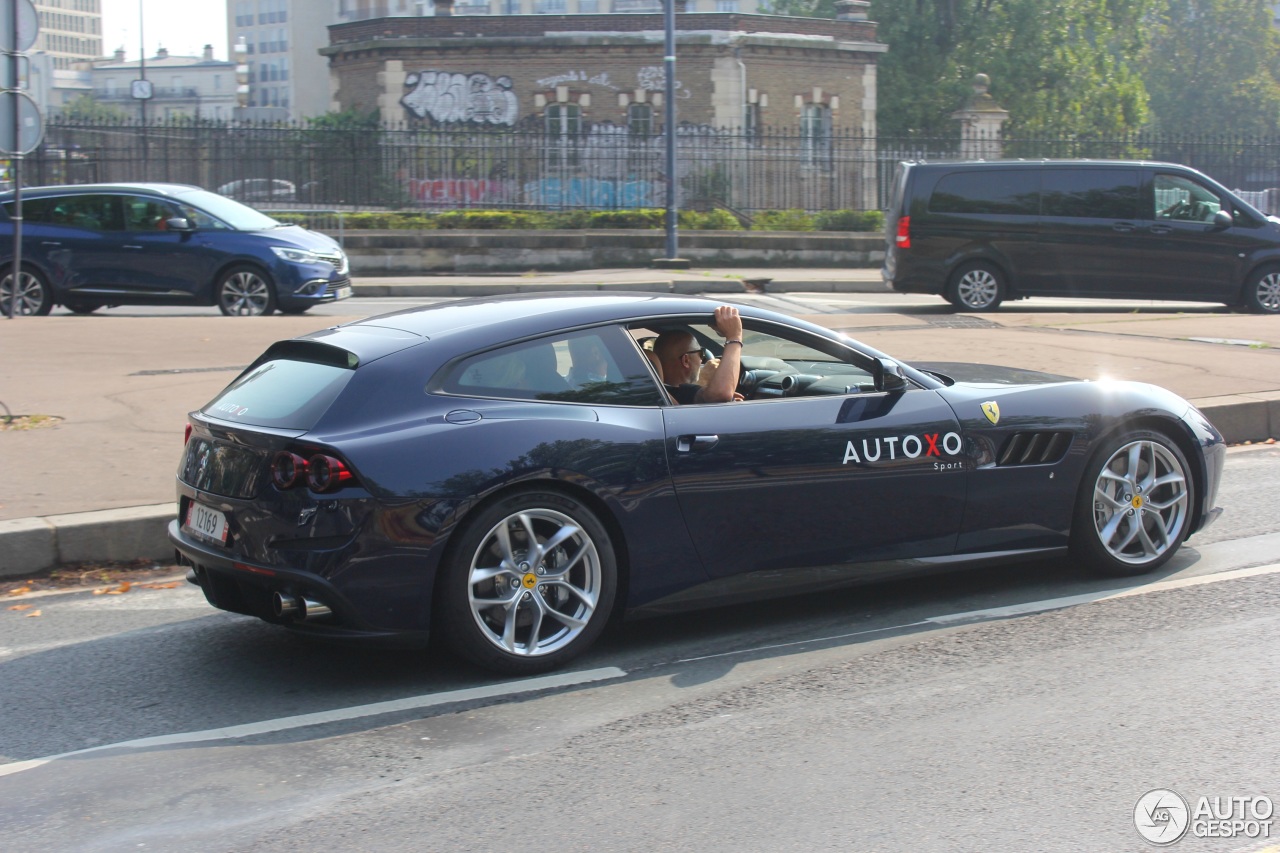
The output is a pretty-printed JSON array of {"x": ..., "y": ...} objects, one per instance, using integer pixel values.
[
  {"x": 550, "y": 7},
  {"x": 640, "y": 121},
  {"x": 590, "y": 7},
  {"x": 751, "y": 121},
  {"x": 564, "y": 126},
  {"x": 815, "y": 131},
  {"x": 726, "y": 5}
]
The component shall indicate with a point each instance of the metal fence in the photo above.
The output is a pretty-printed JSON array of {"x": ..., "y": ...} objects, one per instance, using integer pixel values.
[{"x": 602, "y": 167}]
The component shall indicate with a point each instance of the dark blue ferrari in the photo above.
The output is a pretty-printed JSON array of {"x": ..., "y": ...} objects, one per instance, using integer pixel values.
[{"x": 510, "y": 474}]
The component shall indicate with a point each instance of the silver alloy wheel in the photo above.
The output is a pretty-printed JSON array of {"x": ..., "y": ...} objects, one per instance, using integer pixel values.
[
  {"x": 1140, "y": 502},
  {"x": 244, "y": 293},
  {"x": 31, "y": 295},
  {"x": 1268, "y": 292},
  {"x": 534, "y": 582},
  {"x": 977, "y": 288}
]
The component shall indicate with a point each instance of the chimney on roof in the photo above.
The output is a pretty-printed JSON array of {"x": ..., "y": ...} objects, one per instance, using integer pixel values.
[
  {"x": 444, "y": 8},
  {"x": 119, "y": 54},
  {"x": 162, "y": 53},
  {"x": 207, "y": 56}
]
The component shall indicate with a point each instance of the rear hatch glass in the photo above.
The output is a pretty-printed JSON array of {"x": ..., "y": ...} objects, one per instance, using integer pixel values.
[{"x": 289, "y": 387}]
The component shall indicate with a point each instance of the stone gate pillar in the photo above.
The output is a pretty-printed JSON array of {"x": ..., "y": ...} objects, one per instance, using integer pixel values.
[{"x": 981, "y": 121}]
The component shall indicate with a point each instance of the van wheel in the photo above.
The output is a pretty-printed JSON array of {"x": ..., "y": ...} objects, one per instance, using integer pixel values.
[
  {"x": 1262, "y": 291},
  {"x": 34, "y": 297},
  {"x": 245, "y": 291},
  {"x": 977, "y": 286}
]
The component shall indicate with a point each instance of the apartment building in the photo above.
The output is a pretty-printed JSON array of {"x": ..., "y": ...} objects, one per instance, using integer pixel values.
[
  {"x": 70, "y": 31},
  {"x": 288, "y": 78}
]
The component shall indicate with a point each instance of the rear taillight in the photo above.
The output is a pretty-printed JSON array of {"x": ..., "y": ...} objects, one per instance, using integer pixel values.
[
  {"x": 186, "y": 435},
  {"x": 288, "y": 470},
  {"x": 904, "y": 232},
  {"x": 325, "y": 473}
]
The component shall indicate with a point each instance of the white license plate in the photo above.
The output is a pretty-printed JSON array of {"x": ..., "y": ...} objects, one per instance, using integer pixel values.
[
  {"x": 206, "y": 523},
  {"x": 343, "y": 292}
]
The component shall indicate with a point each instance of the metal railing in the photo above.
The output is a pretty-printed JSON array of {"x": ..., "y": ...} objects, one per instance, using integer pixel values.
[{"x": 603, "y": 167}]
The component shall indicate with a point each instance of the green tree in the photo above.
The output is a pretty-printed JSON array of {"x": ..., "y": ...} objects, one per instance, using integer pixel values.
[
  {"x": 1059, "y": 66},
  {"x": 85, "y": 108},
  {"x": 1213, "y": 66}
]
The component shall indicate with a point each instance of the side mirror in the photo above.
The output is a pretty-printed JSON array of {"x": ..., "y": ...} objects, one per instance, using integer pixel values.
[
  {"x": 889, "y": 376},
  {"x": 1222, "y": 220},
  {"x": 179, "y": 223}
]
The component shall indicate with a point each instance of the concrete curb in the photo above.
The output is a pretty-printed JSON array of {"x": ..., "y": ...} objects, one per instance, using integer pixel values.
[
  {"x": 372, "y": 287},
  {"x": 29, "y": 546}
]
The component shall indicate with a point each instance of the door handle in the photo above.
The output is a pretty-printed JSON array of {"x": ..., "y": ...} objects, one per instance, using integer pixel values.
[
  {"x": 50, "y": 243},
  {"x": 1123, "y": 227},
  {"x": 687, "y": 443},
  {"x": 130, "y": 246},
  {"x": 1160, "y": 229}
]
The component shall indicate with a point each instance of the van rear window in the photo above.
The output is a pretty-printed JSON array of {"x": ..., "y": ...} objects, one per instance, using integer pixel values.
[
  {"x": 284, "y": 392},
  {"x": 1001, "y": 191}
]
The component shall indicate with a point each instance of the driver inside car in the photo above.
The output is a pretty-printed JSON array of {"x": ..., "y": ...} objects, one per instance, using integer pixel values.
[{"x": 682, "y": 359}]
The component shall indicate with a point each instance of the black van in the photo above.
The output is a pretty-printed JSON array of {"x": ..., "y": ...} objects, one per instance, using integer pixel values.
[{"x": 982, "y": 232}]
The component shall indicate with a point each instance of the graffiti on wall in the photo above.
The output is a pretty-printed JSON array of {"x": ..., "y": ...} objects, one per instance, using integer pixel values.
[
  {"x": 458, "y": 191},
  {"x": 601, "y": 79},
  {"x": 447, "y": 97},
  {"x": 653, "y": 78},
  {"x": 591, "y": 192}
]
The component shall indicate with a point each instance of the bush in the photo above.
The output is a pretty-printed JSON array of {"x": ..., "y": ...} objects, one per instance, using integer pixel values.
[
  {"x": 782, "y": 220},
  {"x": 711, "y": 220},
  {"x": 849, "y": 220},
  {"x": 640, "y": 217}
]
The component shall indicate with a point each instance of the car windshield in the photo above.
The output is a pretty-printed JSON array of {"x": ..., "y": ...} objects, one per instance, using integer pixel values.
[{"x": 238, "y": 216}]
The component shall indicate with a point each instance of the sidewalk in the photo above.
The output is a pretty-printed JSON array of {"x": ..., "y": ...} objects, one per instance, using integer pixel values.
[{"x": 99, "y": 485}]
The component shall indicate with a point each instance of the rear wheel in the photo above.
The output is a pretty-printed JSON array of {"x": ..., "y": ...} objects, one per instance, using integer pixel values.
[
  {"x": 976, "y": 286},
  {"x": 1262, "y": 291},
  {"x": 245, "y": 291},
  {"x": 34, "y": 297},
  {"x": 1133, "y": 510},
  {"x": 530, "y": 584}
]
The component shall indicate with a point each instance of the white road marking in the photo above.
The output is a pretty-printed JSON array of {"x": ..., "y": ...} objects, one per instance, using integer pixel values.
[
  {"x": 509, "y": 688},
  {"x": 1015, "y": 609}
]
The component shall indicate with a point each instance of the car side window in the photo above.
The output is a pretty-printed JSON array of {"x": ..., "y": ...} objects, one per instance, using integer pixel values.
[
  {"x": 91, "y": 212},
  {"x": 578, "y": 367},
  {"x": 147, "y": 214},
  {"x": 1090, "y": 193},
  {"x": 1183, "y": 200}
]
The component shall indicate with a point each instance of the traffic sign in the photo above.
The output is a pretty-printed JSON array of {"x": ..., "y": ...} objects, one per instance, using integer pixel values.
[
  {"x": 28, "y": 26},
  {"x": 24, "y": 136}
]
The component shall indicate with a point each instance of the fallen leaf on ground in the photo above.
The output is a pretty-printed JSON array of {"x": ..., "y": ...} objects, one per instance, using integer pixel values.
[
  {"x": 22, "y": 590},
  {"x": 33, "y": 613},
  {"x": 22, "y": 607},
  {"x": 120, "y": 590},
  {"x": 173, "y": 585}
]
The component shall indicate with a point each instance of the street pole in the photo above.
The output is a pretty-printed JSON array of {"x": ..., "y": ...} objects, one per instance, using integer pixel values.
[{"x": 669, "y": 119}]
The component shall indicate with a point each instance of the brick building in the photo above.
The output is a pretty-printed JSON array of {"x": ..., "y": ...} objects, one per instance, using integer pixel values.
[{"x": 600, "y": 78}]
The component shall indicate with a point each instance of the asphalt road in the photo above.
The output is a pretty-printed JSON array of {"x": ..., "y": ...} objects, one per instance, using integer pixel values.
[{"x": 861, "y": 720}]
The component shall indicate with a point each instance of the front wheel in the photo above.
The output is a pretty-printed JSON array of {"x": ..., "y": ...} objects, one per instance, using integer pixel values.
[
  {"x": 530, "y": 584},
  {"x": 1134, "y": 507},
  {"x": 1262, "y": 291},
  {"x": 34, "y": 297},
  {"x": 245, "y": 291},
  {"x": 977, "y": 286}
]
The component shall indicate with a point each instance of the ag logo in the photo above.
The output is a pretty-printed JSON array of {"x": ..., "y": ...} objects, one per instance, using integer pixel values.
[
  {"x": 1161, "y": 816},
  {"x": 992, "y": 410}
]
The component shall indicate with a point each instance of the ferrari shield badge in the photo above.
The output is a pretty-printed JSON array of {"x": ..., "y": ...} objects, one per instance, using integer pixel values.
[{"x": 992, "y": 410}]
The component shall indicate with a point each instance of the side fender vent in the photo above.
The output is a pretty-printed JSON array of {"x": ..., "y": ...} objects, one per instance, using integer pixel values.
[{"x": 1034, "y": 447}]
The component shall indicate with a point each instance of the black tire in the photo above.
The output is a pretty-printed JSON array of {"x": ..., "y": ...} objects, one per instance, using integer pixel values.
[
  {"x": 1133, "y": 510},
  {"x": 81, "y": 307},
  {"x": 562, "y": 598},
  {"x": 1262, "y": 291},
  {"x": 35, "y": 296},
  {"x": 245, "y": 291},
  {"x": 977, "y": 286}
]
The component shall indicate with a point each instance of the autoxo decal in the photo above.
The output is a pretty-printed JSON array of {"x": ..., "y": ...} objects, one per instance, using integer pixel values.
[{"x": 903, "y": 447}]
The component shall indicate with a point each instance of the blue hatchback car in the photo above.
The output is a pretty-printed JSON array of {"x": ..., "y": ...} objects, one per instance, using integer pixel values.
[{"x": 92, "y": 245}]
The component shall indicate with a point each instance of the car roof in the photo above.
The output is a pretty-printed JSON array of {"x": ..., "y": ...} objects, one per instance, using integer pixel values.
[
  {"x": 1010, "y": 164},
  {"x": 80, "y": 189}
]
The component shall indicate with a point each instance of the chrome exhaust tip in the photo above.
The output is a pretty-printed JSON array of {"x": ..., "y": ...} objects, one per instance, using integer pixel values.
[
  {"x": 286, "y": 606},
  {"x": 315, "y": 609}
]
